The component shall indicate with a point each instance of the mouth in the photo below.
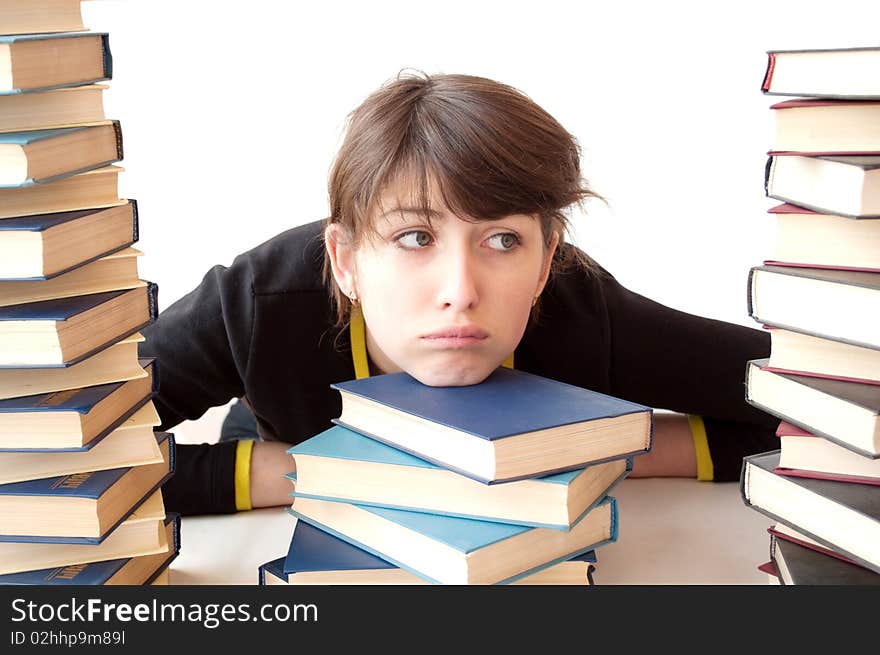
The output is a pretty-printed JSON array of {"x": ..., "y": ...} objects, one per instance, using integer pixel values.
[{"x": 456, "y": 337}]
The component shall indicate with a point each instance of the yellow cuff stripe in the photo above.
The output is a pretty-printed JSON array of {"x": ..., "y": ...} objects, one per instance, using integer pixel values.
[
  {"x": 358, "y": 338},
  {"x": 705, "y": 470},
  {"x": 243, "y": 474}
]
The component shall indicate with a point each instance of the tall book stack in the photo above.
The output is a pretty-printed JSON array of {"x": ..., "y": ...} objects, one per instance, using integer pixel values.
[
  {"x": 506, "y": 481},
  {"x": 81, "y": 466},
  {"x": 819, "y": 296}
]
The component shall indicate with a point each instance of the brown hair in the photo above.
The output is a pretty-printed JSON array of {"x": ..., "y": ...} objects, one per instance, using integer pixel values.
[{"x": 488, "y": 149}]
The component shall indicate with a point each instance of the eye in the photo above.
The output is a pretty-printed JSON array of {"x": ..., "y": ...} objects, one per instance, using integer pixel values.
[
  {"x": 414, "y": 239},
  {"x": 503, "y": 241}
]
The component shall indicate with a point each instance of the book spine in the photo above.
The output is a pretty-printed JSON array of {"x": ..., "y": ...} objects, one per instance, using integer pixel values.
[
  {"x": 107, "y": 55},
  {"x": 172, "y": 455},
  {"x": 768, "y": 74},
  {"x": 175, "y": 517},
  {"x": 743, "y": 480},
  {"x": 768, "y": 174},
  {"x": 750, "y": 305},
  {"x": 117, "y": 131},
  {"x": 153, "y": 299},
  {"x": 135, "y": 220}
]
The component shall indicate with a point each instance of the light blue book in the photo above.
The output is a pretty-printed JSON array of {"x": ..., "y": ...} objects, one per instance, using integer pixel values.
[
  {"x": 343, "y": 465},
  {"x": 450, "y": 550},
  {"x": 317, "y": 557}
]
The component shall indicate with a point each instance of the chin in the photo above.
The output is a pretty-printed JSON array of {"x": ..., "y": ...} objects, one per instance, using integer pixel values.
[{"x": 452, "y": 375}]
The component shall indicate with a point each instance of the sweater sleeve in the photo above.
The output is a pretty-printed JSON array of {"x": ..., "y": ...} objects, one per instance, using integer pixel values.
[
  {"x": 202, "y": 344},
  {"x": 668, "y": 359}
]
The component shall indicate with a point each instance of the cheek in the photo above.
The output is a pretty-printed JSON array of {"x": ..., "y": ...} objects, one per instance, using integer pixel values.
[{"x": 389, "y": 299}]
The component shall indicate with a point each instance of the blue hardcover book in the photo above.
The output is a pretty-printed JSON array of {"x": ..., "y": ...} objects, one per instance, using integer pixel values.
[
  {"x": 343, "y": 465},
  {"x": 65, "y": 331},
  {"x": 312, "y": 549},
  {"x": 43, "y": 246},
  {"x": 511, "y": 426},
  {"x": 39, "y": 62},
  {"x": 82, "y": 507},
  {"x": 128, "y": 570},
  {"x": 75, "y": 150},
  {"x": 74, "y": 419},
  {"x": 450, "y": 550},
  {"x": 319, "y": 557}
]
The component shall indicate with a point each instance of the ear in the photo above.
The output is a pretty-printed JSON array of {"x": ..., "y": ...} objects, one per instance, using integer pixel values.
[
  {"x": 342, "y": 257},
  {"x": 548, "y": 261}
]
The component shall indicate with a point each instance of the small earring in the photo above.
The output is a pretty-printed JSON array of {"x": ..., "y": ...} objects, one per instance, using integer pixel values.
[
  {"x": 353, "y": 297},
  {"x": 535, "y": 300}
]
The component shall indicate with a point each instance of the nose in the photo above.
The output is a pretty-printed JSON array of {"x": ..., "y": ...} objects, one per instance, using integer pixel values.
[{"x": 458, "y": 280}]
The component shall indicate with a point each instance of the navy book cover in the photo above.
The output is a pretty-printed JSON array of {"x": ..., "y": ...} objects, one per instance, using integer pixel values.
[
  {"x": 81, "y": 400},
  {"x": 509, "y": 402},
  {"x": 76, "y": 485},
  {"x": 93, "y": 573},
  {"x": 60, "y": 309}
]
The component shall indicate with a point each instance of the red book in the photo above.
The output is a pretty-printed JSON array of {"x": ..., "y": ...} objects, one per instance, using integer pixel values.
[
  {"x": 782, "y": 531},
  {"x": 826, "y": 127},
  {"x": 806, "y": 354},
  {"x": 812, "y": 239},
  {"x": 823, "y": 73},
  {"x": 768, "y": 568},
  {"x": 805, "y": 455}
]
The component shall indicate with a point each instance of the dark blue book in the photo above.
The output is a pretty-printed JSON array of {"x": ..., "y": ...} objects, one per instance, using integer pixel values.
[
  {"x": 74, "y": 419},
  {"x": 344, "y": 465},
  {"x": 317, "y": 557},
  {"x": 74, "y": 150},
  {"x": 83, "y": 507},
  {"x": 142, "y": 569},
  {"x": 58, "y": 333},
  {"x": 43, "y": 246},
  {"x": 39, "y": 62},
  {"x": 450, "y": 550},
  {"x": 511, "y": 426}
]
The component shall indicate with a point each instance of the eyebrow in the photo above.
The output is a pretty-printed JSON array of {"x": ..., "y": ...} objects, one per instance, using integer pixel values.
[{"x": 433, "y": 213}]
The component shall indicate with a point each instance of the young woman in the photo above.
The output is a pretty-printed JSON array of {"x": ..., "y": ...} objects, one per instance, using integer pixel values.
[{"x": 444, "y": 256}]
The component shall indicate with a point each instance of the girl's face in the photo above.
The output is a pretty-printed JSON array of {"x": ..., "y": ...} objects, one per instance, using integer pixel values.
[{"x": 448, "y": 301}]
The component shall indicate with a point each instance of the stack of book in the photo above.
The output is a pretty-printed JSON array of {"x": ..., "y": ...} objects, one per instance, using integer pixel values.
[
  {"x": 819, "y": 296},
  {"x": 81, "y": 466},
  {"x": 506, "y": 481}
]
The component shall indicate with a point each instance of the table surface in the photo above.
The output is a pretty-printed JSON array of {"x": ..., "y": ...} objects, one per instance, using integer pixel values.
[{"x": 672, "y": 531}]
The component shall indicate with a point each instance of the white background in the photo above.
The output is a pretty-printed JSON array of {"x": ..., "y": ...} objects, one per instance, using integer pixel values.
[{"x": 231, "y": 113}]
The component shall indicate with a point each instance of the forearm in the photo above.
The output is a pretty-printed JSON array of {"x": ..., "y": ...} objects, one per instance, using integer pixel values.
[
  {"x": 672, "y": 453},
  {"x": 270, "y": 462}
]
